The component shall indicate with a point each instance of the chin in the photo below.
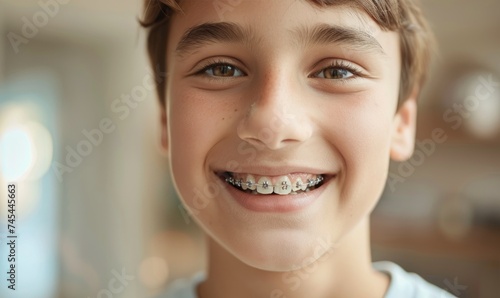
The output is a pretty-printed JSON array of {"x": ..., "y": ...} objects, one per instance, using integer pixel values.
[{"x": 279, "y": 251}]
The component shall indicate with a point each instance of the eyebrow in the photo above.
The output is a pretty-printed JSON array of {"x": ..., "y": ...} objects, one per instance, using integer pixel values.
[
  {"x": 351, "y": 37},
  {"x": 322, "y": 34},
  {"x": 208, "y": 33}
]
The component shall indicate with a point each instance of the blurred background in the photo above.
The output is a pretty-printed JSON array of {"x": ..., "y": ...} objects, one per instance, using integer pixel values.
[{"x": 79, "y": 134}]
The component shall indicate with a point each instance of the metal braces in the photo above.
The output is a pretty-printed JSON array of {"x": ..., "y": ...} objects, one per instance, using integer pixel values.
[{"x": 284, "y": 185}]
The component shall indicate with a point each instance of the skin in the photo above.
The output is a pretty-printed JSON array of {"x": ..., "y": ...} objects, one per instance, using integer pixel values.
[{"x": 348, "y": 125}]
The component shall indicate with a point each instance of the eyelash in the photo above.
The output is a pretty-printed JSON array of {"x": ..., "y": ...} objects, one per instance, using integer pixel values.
[
  {"x": 341, "y": 64},
  {"x": 213, "y": 63},
  {"x": 345, "y": 65}
]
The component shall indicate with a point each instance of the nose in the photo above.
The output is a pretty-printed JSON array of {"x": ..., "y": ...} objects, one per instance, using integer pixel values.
[{"x": 278, "y": 117}]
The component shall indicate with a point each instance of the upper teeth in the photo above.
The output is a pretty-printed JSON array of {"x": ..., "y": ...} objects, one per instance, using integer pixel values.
[
  {"x": 264, "y": 186},
  {"x": 282, "y": 186}
]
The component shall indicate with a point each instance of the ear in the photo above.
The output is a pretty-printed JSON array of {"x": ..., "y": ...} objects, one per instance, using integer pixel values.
[
  {"x": 163, "y": 128},
  {"x": 404, "y": 127}
]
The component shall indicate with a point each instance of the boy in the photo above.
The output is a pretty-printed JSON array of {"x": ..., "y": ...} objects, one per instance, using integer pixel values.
[{"x": 280, "y": 118}]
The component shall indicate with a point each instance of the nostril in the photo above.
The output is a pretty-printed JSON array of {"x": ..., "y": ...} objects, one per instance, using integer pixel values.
[
  {"x": 258, "y": 144},
  {"x": 273, "y": 129},
  {"x": 261, "y": 144}
]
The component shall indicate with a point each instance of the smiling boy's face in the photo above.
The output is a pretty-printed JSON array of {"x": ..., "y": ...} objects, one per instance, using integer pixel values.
[{"x": 278, "y": 93}]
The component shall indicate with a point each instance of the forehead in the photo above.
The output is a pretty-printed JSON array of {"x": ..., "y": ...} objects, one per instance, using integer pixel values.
[
  {"x": 276, "y": 12},
  {"x": 290, "y": 23}
]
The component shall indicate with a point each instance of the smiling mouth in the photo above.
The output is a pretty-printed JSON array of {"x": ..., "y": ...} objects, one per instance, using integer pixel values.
[{"x": 291, "y": 184}]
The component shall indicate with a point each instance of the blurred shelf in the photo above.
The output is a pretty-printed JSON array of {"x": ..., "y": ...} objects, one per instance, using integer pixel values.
[
  {"x": 479, "y": 244},
  {"x": 430, "y": 119}
]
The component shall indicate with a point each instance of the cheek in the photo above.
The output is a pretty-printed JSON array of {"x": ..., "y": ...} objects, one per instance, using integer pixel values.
[
  {"x": 361, "y": 132},
  {"x": 196, "y": 123},
  {"x": 367, "y": 158},
  {"x": 190, "y": 129}
]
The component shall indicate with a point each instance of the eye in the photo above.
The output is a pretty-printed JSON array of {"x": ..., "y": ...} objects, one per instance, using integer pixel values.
[
  {"x": 221, "y": 70},
  {"x": 338, "y": 70},
  {"x": 335, "y": 74}
]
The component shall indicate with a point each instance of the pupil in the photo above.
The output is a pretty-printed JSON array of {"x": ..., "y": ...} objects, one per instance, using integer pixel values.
[
  {"x": 335, "y": 73},
  {"x": 224, "y": 70}
]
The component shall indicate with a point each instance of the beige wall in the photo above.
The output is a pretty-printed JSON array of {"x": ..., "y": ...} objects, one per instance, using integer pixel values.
[{"x": 117, "y": 207}]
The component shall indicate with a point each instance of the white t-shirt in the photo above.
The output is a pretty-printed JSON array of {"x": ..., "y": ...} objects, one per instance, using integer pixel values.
[{"x": 403, "y": 284}]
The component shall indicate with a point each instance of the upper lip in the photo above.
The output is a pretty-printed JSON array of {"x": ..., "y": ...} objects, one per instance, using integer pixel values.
[{"x": 261, "y": 170}]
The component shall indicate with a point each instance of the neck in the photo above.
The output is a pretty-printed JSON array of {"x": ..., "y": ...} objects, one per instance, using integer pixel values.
[{"x": 337, "y": 274}]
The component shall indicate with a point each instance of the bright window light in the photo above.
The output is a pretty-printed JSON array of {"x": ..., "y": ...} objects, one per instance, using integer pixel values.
[{"x": 16, "y": 153}]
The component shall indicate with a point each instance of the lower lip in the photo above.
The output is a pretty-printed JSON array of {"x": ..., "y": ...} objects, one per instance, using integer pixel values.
[{"x": 276, "y": 203}]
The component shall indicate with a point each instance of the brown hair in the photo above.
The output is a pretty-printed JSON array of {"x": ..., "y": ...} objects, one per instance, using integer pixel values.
[{"x": 402, "y": 16}]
